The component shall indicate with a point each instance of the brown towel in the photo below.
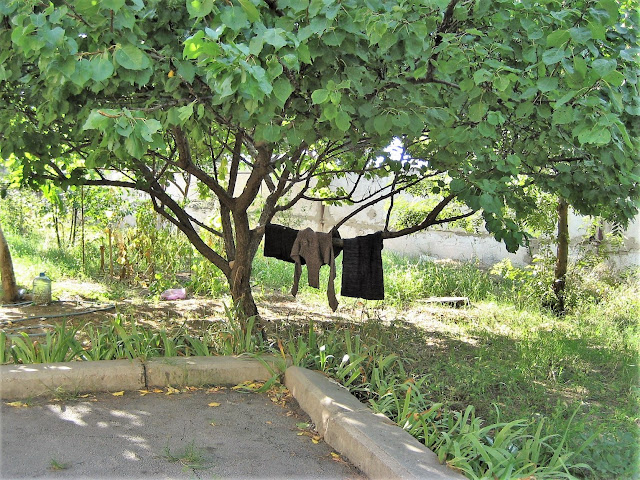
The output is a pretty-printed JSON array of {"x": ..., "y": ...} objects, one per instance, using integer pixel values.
[{"x": 316, "y": 248}]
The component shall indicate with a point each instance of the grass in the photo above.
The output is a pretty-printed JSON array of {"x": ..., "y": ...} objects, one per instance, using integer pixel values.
[
  {"x": 190, "y": 456},
  {"x": 56, "y": 465},
  {"x": 506, "y": 368}
]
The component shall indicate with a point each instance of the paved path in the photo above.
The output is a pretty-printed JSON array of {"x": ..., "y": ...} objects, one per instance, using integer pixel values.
[{"x": 164, "y": 436}]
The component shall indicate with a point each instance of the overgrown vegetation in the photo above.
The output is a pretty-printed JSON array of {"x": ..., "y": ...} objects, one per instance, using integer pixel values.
[{"x": 502, "y": 388}]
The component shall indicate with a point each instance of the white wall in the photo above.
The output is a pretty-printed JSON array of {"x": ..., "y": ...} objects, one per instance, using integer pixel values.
[
  {"x": 453, "y": 244},
  {"x": 436, "y": 243}
]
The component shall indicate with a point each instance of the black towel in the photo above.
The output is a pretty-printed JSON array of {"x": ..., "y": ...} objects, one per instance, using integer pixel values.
[
  {"x": 278, "y": 241},
  {"x": 362, "y": 275}
]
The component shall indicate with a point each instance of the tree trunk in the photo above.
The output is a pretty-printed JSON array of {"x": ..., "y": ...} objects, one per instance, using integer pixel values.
[
  {"x": 9, "y": 287},
  {"x": 240, "y": 288},
  {"x": 562, "y": 256}
]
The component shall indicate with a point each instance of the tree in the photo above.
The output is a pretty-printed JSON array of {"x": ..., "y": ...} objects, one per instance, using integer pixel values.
[
  {"x": 9, "y": 286},
  {"x": 562, "y": 255},
  {"x": 487, "y": 98}
]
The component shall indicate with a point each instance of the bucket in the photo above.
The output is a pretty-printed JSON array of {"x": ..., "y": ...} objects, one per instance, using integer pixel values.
[{"x": 41, "y": 290}]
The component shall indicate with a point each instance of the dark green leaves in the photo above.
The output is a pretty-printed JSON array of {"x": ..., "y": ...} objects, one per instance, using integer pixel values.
[{"x": 131, "y": 57}]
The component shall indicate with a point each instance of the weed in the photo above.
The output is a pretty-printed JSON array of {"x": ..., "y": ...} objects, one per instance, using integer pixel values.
[
  {"x": 190, "y": 456},
  {"x": 59, "y": 346},
  {"x": 56, "y": 465}
]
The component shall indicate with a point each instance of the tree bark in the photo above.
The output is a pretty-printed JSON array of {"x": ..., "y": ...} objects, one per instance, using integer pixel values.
[
  {"x": 562, "y": 255},
  {"x": 9, "y": 287}
]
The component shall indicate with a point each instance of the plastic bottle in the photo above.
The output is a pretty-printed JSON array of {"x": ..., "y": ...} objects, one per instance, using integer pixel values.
[{"x": 41, "y": 290}]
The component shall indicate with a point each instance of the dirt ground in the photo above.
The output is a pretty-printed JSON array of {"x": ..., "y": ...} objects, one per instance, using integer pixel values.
[{"x": 76, "y": 303}]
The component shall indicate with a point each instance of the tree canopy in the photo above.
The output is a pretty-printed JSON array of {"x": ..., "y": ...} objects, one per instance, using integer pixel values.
[{"x": 487, "y": 97}]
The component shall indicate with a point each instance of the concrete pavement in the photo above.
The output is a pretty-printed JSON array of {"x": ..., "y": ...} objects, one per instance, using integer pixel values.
[{"x": 372, "y": 443}]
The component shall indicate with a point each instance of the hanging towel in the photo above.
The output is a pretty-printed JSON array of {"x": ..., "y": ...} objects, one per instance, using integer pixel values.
[
  {"x": 278, "y": 242},
  {"x": 317, "y": 249},
  {"x": 362, "y": 275}
]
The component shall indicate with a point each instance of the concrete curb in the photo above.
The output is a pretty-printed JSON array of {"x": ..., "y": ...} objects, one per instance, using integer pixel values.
[
  {"x": 25, "y": 381},
  {"x": 373, "y": 443},
  {"x": 194, "y": 371}
]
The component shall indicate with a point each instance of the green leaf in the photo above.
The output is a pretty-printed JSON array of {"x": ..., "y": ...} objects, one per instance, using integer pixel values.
[
  {"x": 604, "y": 66},
  {"x": 490, "y": 204},
  {"x": 149, "y": 128},
  {"x": 477, "y": 111},
  {"x": 52, "y": 36},
  {"x": 185, "y": 113},
  {"x": 250, "y": 9},
  {"x": 186, "y": 70},
  {"x": 343, "y": 121},
  {"x": 501, "y": 83},
  {"x": 615, "y": 78},
  {"x": 562, "y": 116},
  {"x": 553, "y": 55},
  {"x": 235, "y": 18},
  {"x": 275, "y": 37},
  {"x": 547, "y": 84},
  {"x": 282, "y": 89},
  {"x": 114, "y": 5},
  {"x": 303, "y": 53},
  {"x": 596, "y": 135},
  {"x": 97, "y": 121},
  {"x": 131, "y": 57},
  {"x": 255, "y": 45},
  {"x": 320, "y": 96},
  {"x": 199, "y": 8},
  {"x": 270, "y": 133},
  {"x": 101, "y": 67},
  {"x": 558, "y": 38},
  {"x": 580, "y": 35},
  {"x": 383, "y": 123},
  {"x": 481, "y": 76},
  {"x": 457, "y": 185}
]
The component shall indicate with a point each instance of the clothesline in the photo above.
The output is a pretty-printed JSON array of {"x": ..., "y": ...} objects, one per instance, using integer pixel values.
[{"x": 362, "y": 275}]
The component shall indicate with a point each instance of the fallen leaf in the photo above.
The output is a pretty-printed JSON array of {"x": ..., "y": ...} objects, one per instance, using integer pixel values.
[
  {"x": 337, "y": 458},
  {"x": 86, "y": 395},
  {"x": 214, "y": 404},
  {"x": 303, "y": 425},
  {"x": 118, "y": 394},
  {"x": 156, "y": 390},
  {"x": 143, "y": 392},
  {"x": 213, "y": 424},
  {"x": 316, "y": 439},
  {"x": 269, "y": 422},
  {"x": 248, "y": 386},
  {"x": 171, "y": 391},
  {"x": 17, "y": 404}
]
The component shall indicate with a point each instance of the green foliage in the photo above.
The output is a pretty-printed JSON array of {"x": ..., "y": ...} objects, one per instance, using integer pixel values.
[
  {"x": 515, "y": 449},
  {"x": 488, "y": 97},
  {"x": 58, "y": 346},
  {"x": 238, "y": 337},
  {"x": 408, "y": 280}
]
